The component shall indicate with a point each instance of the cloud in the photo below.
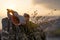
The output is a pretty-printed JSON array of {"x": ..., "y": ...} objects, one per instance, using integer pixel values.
[{"x": 51, "y": 4}]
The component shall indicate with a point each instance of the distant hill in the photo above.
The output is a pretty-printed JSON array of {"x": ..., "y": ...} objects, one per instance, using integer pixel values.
[
  {"x": 49, "y": 21},
  {"x": 51, "y": 24}
]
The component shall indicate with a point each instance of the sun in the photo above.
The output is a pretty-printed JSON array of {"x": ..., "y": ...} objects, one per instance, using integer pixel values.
[
  {"x": 9, "y": 5},
  {"x": 21, "y": 4}
]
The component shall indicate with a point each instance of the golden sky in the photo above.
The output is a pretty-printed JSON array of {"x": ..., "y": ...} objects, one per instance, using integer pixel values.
[
  {"x": 22, "y": 6},
  {"x": 18, "y": 5}
]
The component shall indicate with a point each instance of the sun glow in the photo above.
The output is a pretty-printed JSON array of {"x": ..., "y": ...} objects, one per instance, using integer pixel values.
[
  {"x": 13, "y": 4},
  {"x": 18, "y": 5},
  {"x": 9, "y": 5}
]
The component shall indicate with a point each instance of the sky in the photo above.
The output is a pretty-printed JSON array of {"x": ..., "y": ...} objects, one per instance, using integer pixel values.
[
  {"x": 51, "y": 4},
  {"x": 29, "y": 6},
  {"x": 43, "y": 7}
]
